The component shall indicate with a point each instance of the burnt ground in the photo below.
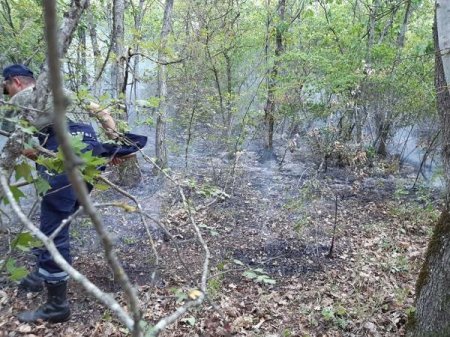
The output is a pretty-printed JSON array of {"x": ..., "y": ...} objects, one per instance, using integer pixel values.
[{"x": 275, "y": 223}]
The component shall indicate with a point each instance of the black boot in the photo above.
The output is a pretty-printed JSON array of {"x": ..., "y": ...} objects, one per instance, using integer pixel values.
[
  {"x": 55, "y": 310},
  {"x": 32, "y": 282}
]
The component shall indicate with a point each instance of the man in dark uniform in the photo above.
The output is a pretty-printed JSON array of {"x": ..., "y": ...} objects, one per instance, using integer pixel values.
[{"x": 60, "y": 202}]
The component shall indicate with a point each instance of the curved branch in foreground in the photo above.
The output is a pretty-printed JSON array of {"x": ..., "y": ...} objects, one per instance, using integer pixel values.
[
  {"x": 91, "y": 288},
  {"x": 164, "y": 322},
  {"x": 72, "y": 161}
]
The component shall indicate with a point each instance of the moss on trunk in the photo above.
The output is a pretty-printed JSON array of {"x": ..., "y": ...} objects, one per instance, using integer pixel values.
[{"x": 440, "y": 231}]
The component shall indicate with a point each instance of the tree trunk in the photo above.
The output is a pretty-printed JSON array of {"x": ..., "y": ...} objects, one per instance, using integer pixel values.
[
  {"x": 403, "y": 29},
  {"x": 216, "y": 77},
  {"x": 229, "y": 101},
  {"x": 371, "y": 30},
  {"x": 117, "y": 69},
  {"x": 96, "y": 85},
  {"x": 387, "y": 119},
  {"x": 269, "y": 108},
  {"x": 129, "y": 172},
  {"x": 82, "y": 47},
  {"x": 383, "y": 136},
  {"x": 139, "y": 16},
  {"x": 443, "y": 27},
  {"x": 431, "y": 318},
  {"x": 160, "y": 137}
]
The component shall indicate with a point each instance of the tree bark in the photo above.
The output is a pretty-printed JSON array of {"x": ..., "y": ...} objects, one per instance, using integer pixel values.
[
  {"x": 403, "y": 29},
  {"x": 117, "y": 70},
  {"x": 387, "y": 117},
  {"x": 129, "y": 172},
  {"x": 160, "y": 140},
  {"x": 82, "y": 61},
  {"x": 443, "y": 27},
  {"x": 96, "y": 85},
  {"x": 269, "y": 108},
  {"x": 229, "y": 101},
  {"x": 139, "y": 16},
  {"x": 431, "y": 318}
]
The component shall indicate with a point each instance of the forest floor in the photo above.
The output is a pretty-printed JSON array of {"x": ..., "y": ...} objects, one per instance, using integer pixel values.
[{"x": 271, "y": 270}]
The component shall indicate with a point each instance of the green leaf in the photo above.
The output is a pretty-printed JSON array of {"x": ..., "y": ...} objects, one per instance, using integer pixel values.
[
  {"x": 101, "y": 187},
  {"x": 42, "y": 186},
  {"x": 269, "y": 281},
  {"x": 23, "y": 125},
  {"x": 17, "y": 194},
  {"x": 23, "y": 170},
  {"x": 249, "y": 274},
  {"x": 190, "y": 320},
  {"x": 91, "y": 160},
  {"x": 308, "y": 13},
  {"x": 179, "y": 294},
  {"x": 238, "y": 262},
  {"x": 52, "y": 164},
  {"x": 328, "y": 313},
  {"x": 15, "y": 273},
  {"x": 25, "y": 241},
  {"x": 77, "y": 144}
]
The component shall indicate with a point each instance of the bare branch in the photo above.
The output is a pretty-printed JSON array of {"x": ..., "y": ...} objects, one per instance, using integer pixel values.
[
  {"x": 65, "y": 222},
  {"x": 91, "y": 288},
  {"x": 71, "y": 162},
  {"x": 163, "y": 323}
]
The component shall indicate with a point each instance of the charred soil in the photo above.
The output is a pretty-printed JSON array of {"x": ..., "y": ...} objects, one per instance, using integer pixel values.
[{"x": 269, "y": 229}]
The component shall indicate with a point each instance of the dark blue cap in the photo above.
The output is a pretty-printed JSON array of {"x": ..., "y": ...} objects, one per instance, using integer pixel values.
[{"x": 16, "y": 70}]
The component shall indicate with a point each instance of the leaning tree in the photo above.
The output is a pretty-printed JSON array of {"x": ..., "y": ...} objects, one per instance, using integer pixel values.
[{"x": 431, "y": 318}]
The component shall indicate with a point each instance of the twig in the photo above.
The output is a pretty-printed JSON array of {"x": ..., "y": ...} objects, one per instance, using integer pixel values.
[
  {"x": 330, "y": 252},
  {"x": 425, "y": 157},
  {"x": 21, "y": 107},
  {"x": 164, "y": 322},
  {"x": 156, "y": 61},
  {"x": 65, "y": 222},
  {"x": 105, "y": 298},
  {"x": 72, "y": 161}
]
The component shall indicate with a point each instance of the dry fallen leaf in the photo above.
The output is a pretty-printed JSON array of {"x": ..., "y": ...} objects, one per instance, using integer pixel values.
[
  {"x": 194, "y": 294},
  {"x": 24, "y": 328}
]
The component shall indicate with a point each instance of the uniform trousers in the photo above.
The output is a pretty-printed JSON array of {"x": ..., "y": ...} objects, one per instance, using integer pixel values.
[{"x": 59, "y": 202}]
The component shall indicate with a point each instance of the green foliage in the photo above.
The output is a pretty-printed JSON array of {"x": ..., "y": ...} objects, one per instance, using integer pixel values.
[
  {"x": 259, "y": 275},
  {"x": 179, "y": 294},
  {"x": 15, "y": 273},
  {"x": 24, "y": 170},
  {"x": 214, "y": 286},
  {"x": 211, "y": 230},
  {"x": 189, "y": 320},
  {"x": 25, "y": 127},
  {"x": 336, "y": 315},
  {"x": 90, "y": 165},
  {"x": 25, "y": 241},
  {"x": 17, "y": 195},
  {"x": 206, "y": 190},
  {"x": 21, "y": 28},
  {"x": 256, "y": 274},
  {"x": 42, "y": 186}
]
